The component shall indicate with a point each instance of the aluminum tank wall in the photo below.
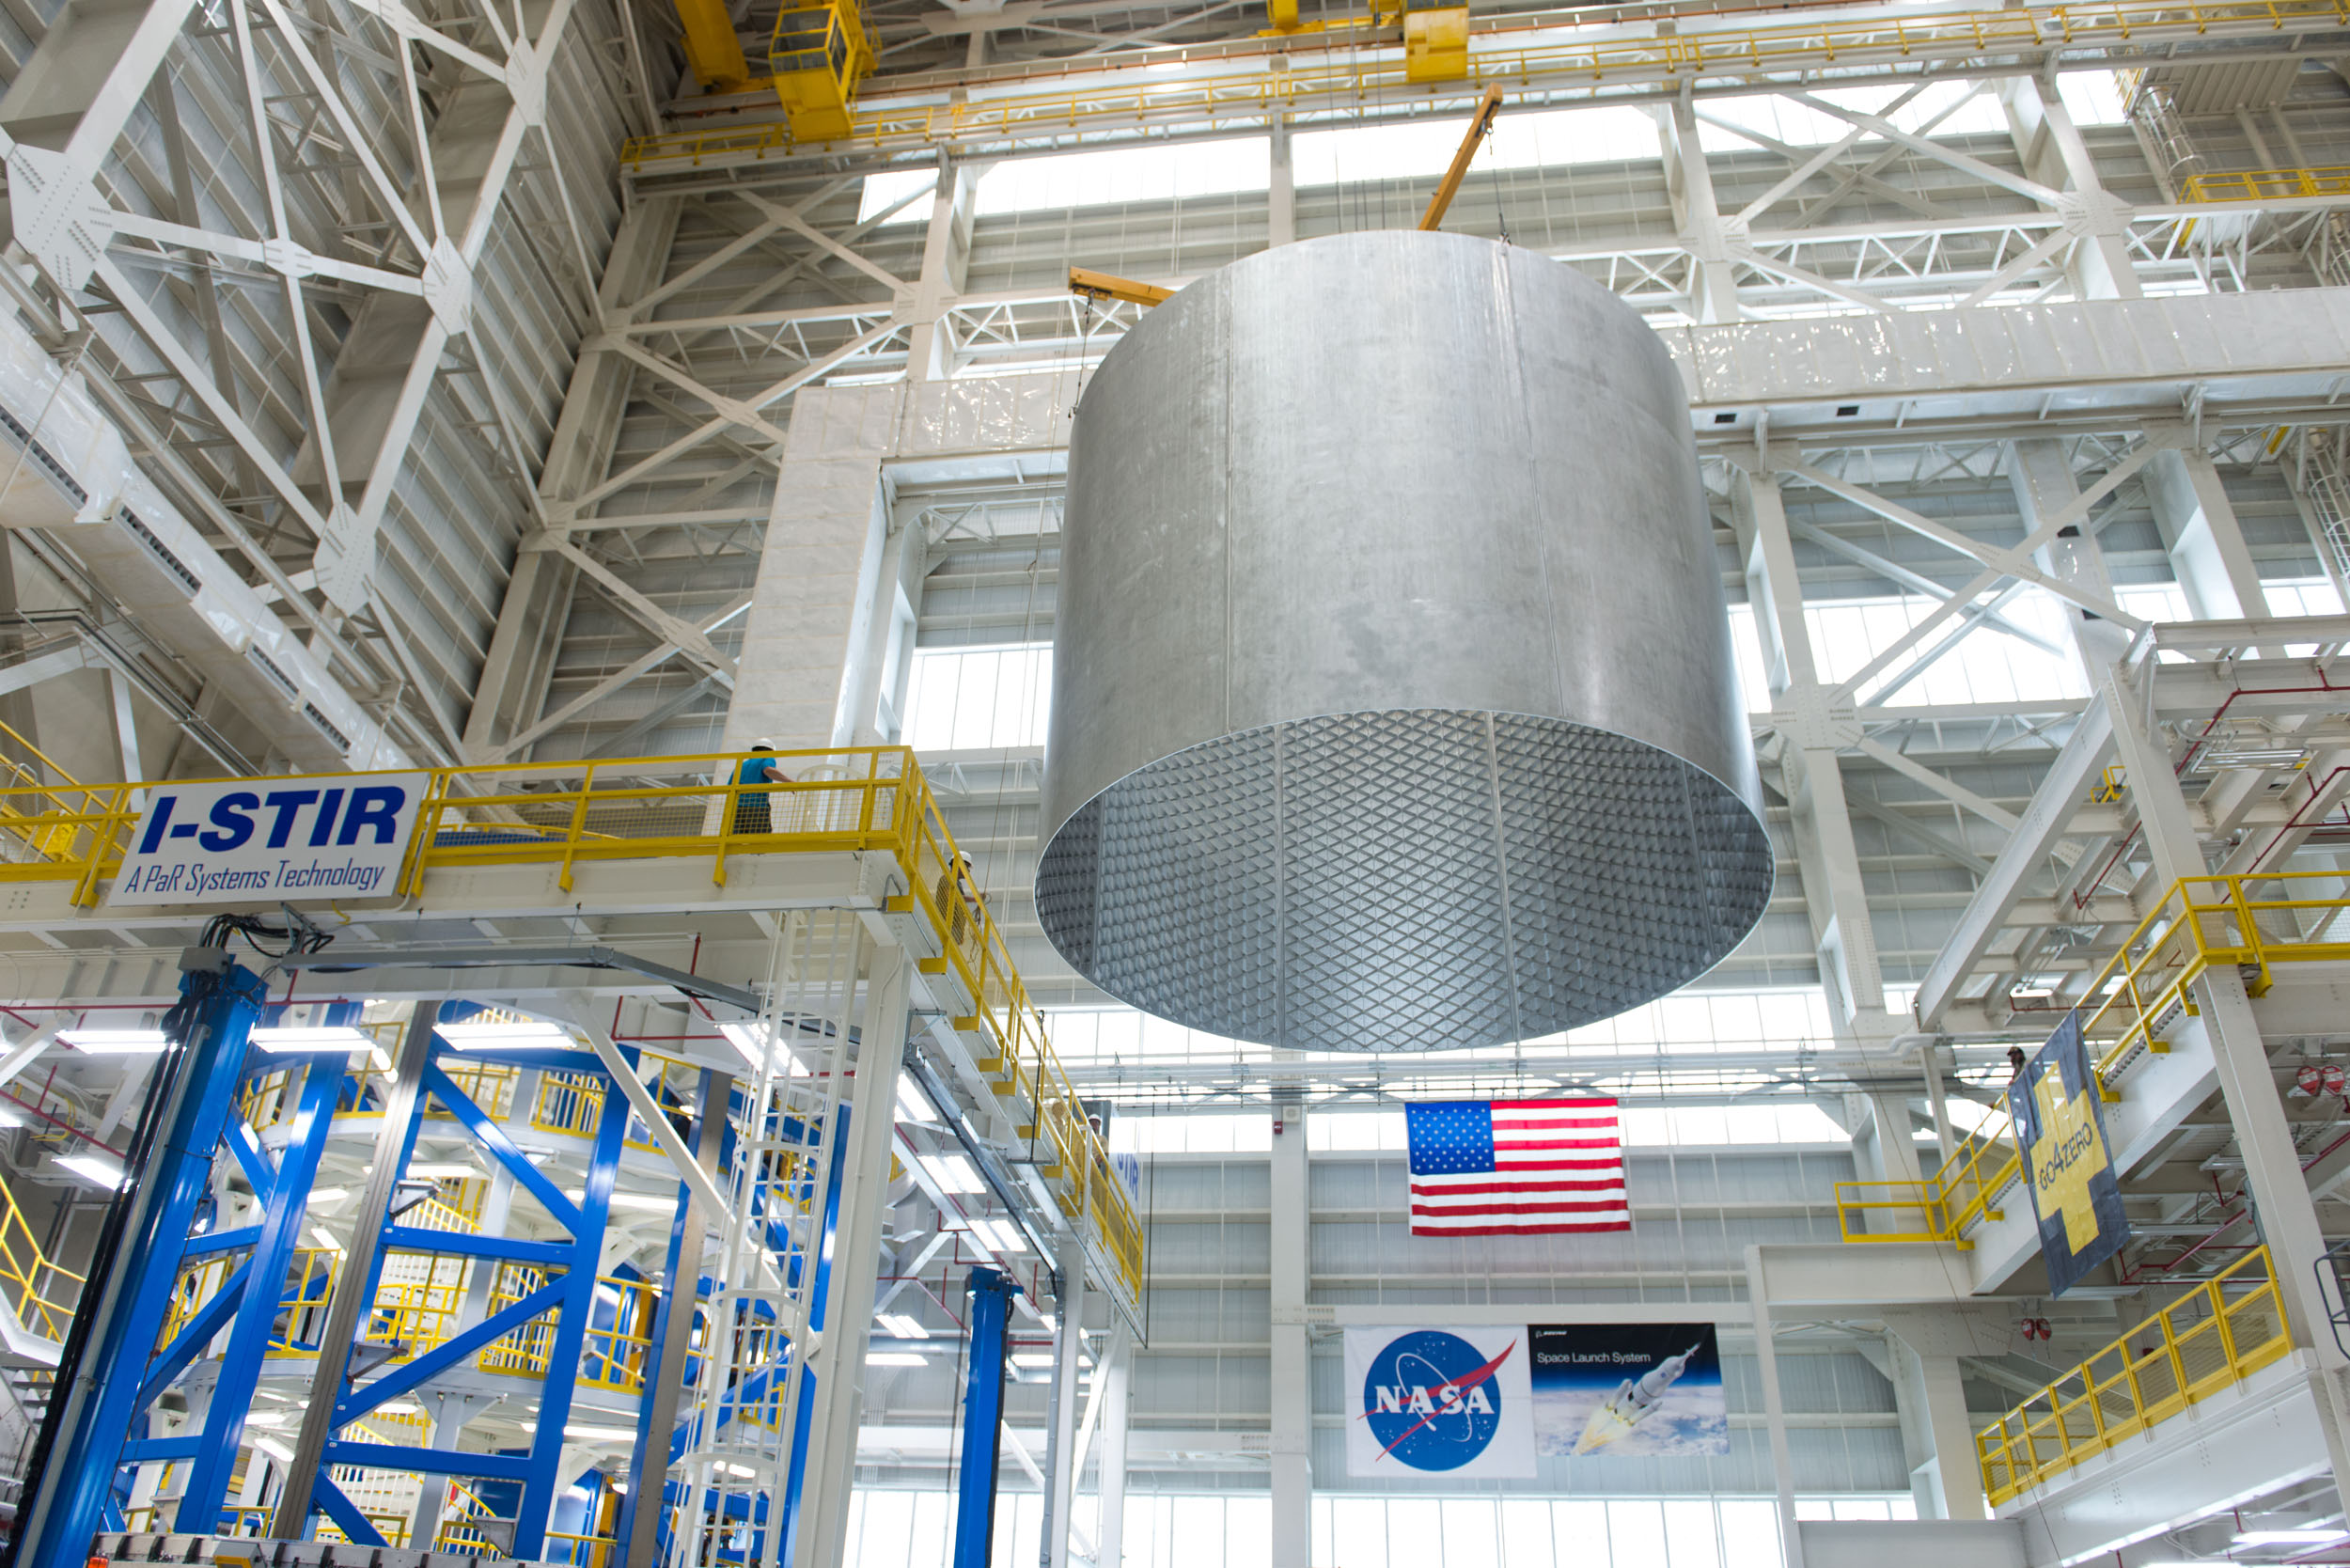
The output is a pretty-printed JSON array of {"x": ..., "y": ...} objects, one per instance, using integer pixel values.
[{"x": 1393, "y": 697}]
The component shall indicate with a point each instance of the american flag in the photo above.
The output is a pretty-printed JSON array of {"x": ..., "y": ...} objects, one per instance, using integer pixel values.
[{"x": 1515, "y": 1168}]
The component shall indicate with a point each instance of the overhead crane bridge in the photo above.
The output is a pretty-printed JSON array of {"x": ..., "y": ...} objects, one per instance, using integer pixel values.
[{"x": 825, "y": 910}]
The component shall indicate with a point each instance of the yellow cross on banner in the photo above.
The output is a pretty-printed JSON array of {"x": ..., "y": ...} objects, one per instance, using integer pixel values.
[{"x": 2069, "y": 1151}]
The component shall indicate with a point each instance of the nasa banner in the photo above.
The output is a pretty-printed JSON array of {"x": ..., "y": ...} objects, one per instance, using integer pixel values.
[
  {"x": 1439, "y": 1402},
  {"x": 270, "y": 840},
  {"x": 2059, "y": 1123},
  {"x": 1628, "y": 1391}
]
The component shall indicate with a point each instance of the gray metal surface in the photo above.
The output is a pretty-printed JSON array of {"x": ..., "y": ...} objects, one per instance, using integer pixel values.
[{"x": 1393, "y": 697}]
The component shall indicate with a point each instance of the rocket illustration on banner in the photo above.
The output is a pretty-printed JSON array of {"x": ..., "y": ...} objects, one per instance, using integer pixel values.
[{"x": 1633, "y": 1403}]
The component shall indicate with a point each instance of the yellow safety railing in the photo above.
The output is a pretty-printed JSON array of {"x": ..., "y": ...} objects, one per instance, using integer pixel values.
[
  {"x": 1255, "y": 90},
  {"x": 2214, "y": 1337},
  {"x": 41, "y": 1291},
  {"x": 2266, "y": 184},
  {"x": 694, "y": 810},
  {"x": 1946, "y": 1204},
  {"x": 2253, "y": 923}
]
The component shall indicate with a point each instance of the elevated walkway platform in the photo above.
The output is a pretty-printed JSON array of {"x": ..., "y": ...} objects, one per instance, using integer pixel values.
[{"x": 2243, "y": 1442}]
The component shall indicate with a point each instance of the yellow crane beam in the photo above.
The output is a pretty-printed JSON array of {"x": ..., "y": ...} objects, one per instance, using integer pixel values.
[
  {"x": 1102, "y": 286},
  {"x": 1480, "y": 123}
]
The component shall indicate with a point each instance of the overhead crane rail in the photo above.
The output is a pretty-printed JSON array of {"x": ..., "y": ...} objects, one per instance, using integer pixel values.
[
  {"x": 2213, "y": 1338},
  {"x": 1256, "y": 93},
  {"x": 676, "y": 812},
  {"x": 2253, "y": 923}
]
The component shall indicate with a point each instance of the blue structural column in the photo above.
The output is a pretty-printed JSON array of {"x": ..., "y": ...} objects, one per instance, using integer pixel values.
[
  {"x": 990, "y": 1295},
  {"x": 284, "y": 1191},
  {"x": 115, "y": 1332}
]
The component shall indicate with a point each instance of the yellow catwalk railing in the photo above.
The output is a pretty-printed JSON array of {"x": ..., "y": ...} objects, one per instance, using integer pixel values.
[
  {"x": 41, "y": 1291},
  {"x": 2213, "y": 1338},
  {"x": 696, "y": 809},
  {"x": 2266, "y": 184},
  {"x": 1253, "y": 91},
  {"x": 2252, "y": 924}
]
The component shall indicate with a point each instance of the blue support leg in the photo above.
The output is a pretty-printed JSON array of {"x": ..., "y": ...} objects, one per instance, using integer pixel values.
[
  {"x": 982, "y": 1418},
  {"x": 579, "y": 1299},
  {"x": 820, "y": 1288},
  {"x": 117, "y": 1329},
  {"x": 285, "y": 1202}
]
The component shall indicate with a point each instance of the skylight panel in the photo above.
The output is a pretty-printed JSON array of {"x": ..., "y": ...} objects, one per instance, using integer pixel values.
[
  {"x": 1127, "y": 174},
  {"x": 886, "y": 191}
]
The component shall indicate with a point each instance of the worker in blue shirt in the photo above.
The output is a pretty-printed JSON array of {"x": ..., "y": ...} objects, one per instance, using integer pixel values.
[{"x": 751, "y": 814}]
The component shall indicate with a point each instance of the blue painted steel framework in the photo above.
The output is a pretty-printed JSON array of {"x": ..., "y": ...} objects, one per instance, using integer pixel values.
[
  {"x": 109, "y": 1346},
  {"x": 571, "y": 1296},
  {"x": 123, "y": 1370},
  {"x": 989, "y": 1317}
]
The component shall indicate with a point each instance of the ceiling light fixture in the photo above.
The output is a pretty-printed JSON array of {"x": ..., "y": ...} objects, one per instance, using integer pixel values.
[
  {"x": 601, "y": 1434},
  {"x": 896, "y": 1358},
  {"x": 902, "y": 1326},
  {"x": 952, "y": 1172},
  {"x": 90, "y": 1168},
  {"x": 322, "y": 1037},
  {"x": 751, "y": 1041},
  {"x": 116, "y": 1042},
  {"x": 513, "y": 1034}
]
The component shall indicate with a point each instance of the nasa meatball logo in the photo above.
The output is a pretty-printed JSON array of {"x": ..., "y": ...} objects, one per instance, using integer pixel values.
[{"x": 1432, "y": 1399}]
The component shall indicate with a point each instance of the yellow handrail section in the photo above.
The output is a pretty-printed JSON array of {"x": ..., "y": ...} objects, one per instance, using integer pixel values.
[
  {"x": 1946, "y": 1204},
  {"x": 2266, "y": 184},
  {"x": 41, "y": 1291},
  {"x": 570, "y": 815},
  {"x": 2213, "y": 1338},
  {"x": 2253, "y": 923},
  {"x": 1253, "y": 92}
]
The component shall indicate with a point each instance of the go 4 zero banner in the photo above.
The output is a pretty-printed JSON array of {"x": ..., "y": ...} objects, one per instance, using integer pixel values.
[{"x": 267, "y": 840}]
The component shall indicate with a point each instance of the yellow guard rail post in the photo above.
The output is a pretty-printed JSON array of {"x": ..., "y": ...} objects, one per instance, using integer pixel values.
[
  {"x": 2256, "y": 923},
  {"x": 574, "y": 814},
  {"x": 2213, "y": 1338}
]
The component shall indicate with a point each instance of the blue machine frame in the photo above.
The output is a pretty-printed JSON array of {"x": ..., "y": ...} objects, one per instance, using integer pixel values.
[{"x": 990, "y": 1293}]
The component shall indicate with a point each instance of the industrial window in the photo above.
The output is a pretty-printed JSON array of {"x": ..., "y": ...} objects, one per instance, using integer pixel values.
[
  {"x": 890, "y": 1527},
  {"x": 1112, "y": 177},
  {"x": 1611, "y": 133},
  {"x": 979, "y": 699}
]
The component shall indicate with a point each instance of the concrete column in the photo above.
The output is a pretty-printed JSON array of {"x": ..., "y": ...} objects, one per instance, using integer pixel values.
[
  {"x": 1690, "y": 182},
  {"x": 840, "y": 1358},
  {"x": 946, "y": 264},
  {"x": 813, "y": 603},
  {"x": 1291, "y": 1379},
  {"x": 1938, "y": 1100},
  {"x": 1774, "y": 1410},
  {"x": 1061, "y": 1458},
  {"x": 1949, "y": 1484},
  {"x": 2208, "y": 555},
  {"x": 1116, "y": 1375},
  {"x": 1281, "y": 194}
]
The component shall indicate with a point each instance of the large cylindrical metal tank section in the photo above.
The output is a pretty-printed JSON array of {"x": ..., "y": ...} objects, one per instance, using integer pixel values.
[{"x": 1393, "y": 700}]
